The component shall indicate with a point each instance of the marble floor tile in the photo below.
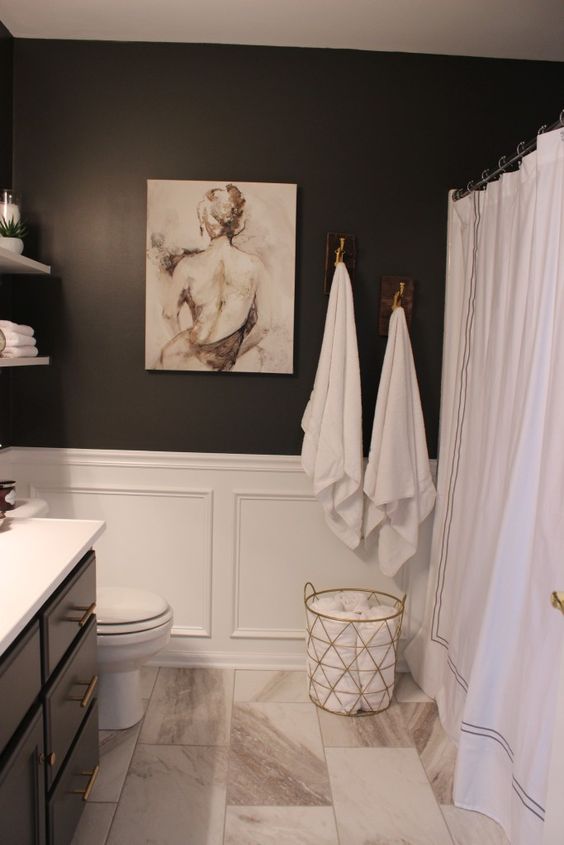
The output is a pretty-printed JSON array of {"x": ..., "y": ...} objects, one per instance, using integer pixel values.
[
  {"x": 280, "y": 826},
  {"x": 468, "y": 828},
  {"x": 386, "y": 729},
  {"x": 94, "y": 824},
  {"x": 172, "y": 796},
  {"x": 436, "y": 749},
  {"x": 116, "y": 751},
  {"x": 189, "y": 707},
  {"x": 252, "y": 685},
  {"x": 276, "y": 756},
  {"x": 406, "y": 690},
  {"x": 148, "y": 678},
  {"x": 382, "y": 797}
]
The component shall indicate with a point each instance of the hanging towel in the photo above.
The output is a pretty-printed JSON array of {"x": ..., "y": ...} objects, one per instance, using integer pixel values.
[
  {"x": 398, "y": 485},
  {"x": 332, "y": 422}
]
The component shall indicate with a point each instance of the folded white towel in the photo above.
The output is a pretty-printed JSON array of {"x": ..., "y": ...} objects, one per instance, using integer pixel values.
[
  {"x": 332, "y": 421},
  {"x": 355, "y": 600},
  {"x": 376, "y": 658},
  {"x": 15, "y": 327},
  {"x": 331, "y": 657},
  {"x": 19, "y": 352},
  {"x": 327, "y": 604},
  {"x": 14, "y": 339},
  {"x": 398, "y": 484}
]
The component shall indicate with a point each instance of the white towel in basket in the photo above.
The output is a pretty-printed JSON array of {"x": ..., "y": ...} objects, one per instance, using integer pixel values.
[
  {"x": 331, "y": 655},
  {"x": 376, "y": 659}
]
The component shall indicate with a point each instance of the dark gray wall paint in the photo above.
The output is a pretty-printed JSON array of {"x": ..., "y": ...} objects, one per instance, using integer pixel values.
[
  {"x": 6, "y": 55},
  {"x": 373, "y": 140}
]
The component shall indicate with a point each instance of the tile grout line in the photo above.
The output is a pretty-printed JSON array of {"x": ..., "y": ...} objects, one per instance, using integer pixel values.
[
  {"x": 328, "y": 775},
  {"x": 228, "y": 752},
  {"x": 132, "y": 756}
]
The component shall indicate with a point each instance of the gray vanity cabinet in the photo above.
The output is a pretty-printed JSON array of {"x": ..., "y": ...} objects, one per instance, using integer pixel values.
[
  {"x": 22, "y": 788},
  {"x": 49, "y": 716}
]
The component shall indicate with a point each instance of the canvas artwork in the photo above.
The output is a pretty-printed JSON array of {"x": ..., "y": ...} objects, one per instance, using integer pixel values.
[{"x": 220, "y": 276}]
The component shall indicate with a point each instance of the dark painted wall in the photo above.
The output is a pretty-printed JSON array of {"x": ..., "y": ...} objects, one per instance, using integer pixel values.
[
  {"x": 373, "y": 141},
  {"x": 6, "y": 51}
]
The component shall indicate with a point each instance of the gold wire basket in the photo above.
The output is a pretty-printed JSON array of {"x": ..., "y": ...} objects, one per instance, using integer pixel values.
[{"x": 352, "y": 660}]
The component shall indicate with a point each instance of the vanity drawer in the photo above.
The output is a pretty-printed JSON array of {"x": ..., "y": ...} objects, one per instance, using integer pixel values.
[
  {"x": 20, "y": 682},
  {"x": 73, "y": 789},
  {"x": 67, "y": 699},
  {"x": 67, "y": 614}
]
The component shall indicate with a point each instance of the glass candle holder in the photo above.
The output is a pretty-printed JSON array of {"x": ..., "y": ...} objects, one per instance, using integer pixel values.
[{"x": 9, "y": 205}]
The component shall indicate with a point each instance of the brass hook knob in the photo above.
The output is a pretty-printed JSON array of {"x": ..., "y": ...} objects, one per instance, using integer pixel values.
[{"x": 557, "y": 600}]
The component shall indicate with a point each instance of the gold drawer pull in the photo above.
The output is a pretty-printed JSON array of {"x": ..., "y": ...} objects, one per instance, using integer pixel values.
[
  {"x": 88, "y": 612},
  {"x": 89, "y": 691},
  {"x": 50, "y": 759},
  {"x": 89, "y": 786},
  {"x": 91, "y": 686},
  {"x": 557, "y": 600}
]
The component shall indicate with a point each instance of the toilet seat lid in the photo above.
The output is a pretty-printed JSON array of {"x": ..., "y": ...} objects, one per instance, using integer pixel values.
[{"x": 125, "y": 605}]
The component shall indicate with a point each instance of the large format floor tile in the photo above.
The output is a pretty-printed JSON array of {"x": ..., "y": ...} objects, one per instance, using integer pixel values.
[
  {"x": 436, "y": 749},
  {"x": 386, "y": 729},
  {"x": 252, "y": 685},
  {"x": 116, "y": 751},
  {"x": 470, "y": 828},
  {"x": 276, "y": 756},
  {"x": 94, "y": 824},
  {"x": 406, "y": 690},
  {"x": 280, "y": 826},
  {"x": 382, "y": 796},
  {"x": 172, "y": 796},
  {"x": 189, "y": 707}
]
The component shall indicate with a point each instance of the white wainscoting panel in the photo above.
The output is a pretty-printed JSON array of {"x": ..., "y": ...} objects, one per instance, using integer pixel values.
[
  {"x": 282, "y": 541},
  {"x": 230, "y": 540},
  {"x": 155, "y": 539}
]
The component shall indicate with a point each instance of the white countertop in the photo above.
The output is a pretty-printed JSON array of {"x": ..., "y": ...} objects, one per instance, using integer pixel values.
[{"x": 36, "y": 555}]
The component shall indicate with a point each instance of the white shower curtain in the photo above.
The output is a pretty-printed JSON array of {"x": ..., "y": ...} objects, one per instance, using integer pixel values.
[{"x": 490, "y": 646}]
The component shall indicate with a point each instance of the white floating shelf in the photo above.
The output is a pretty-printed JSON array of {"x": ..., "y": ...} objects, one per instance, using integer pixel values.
[
  {"x": 10, "y": 262},
  {"x": 24, "y": 362}
]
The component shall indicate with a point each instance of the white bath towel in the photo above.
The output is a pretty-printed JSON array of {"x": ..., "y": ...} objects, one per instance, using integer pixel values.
[
  {"x": 399, "y": 489},
  {"x": 19, "y": 352},
  {"x": 376, "y": 658},
  {"x": 355, "y": 600},
  {"x": 331, "y": 657},
  {"x": 13, "y": 339},
  {"x": 7, "y": 325},
  {"x": 332, "y": 422}
]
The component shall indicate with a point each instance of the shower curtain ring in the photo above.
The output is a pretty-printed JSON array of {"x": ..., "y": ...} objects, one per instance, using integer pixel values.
[
  {"x": 470, "y": 185},
  {"x": 542, "y": 129},
  {"x": 485, "y": 173},
  {"x": 520, "y": 148}
]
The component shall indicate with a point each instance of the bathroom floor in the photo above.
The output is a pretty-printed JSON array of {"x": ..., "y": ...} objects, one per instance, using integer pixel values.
[{"x": 243, "y": 758}]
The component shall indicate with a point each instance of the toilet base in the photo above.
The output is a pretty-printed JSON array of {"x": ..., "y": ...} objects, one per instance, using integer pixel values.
[{"x": 119, "y": 700}]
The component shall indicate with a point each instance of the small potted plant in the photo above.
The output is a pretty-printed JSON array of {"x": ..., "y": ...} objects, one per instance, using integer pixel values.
[{"x": 11, "y": 234}]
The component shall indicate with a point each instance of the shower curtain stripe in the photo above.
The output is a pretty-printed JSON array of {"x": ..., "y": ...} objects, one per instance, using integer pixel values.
[{"x": 489, "y": 642}]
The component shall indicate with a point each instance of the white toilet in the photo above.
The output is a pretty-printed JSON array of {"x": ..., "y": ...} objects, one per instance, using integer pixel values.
[{"x": 133, "y": 625}]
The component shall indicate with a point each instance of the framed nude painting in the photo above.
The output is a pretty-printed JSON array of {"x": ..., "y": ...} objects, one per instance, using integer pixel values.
[{"x": 220, "y": 276}]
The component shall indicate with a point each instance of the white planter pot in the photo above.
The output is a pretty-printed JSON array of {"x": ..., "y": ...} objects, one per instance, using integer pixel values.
[{"x": 13, "y": 244}]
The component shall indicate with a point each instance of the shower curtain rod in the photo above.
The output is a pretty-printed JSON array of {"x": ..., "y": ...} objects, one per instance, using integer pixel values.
[{"x": 504, "y": 163}]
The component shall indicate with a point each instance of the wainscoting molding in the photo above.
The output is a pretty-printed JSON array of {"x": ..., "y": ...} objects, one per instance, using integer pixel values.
[{"x": 230, "y": 540}]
